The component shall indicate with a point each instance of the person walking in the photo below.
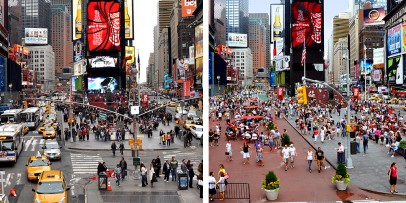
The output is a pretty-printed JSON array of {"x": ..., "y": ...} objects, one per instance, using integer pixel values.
[
  {"x": 315, "y": 134},
  {"x": 260, "y": 156},
  {"x": 117, "y": 172},
  {"x": 221, "y": 185},
  {"x": 168, "y": 139},
  {"x": 309, "y": 155},
  {"x": 340, "y": 152},
  {"x": 393, "y": 177},
  {"x": 357, "y": 142},
  {"x": 245, "y": 152},
  {"x": 286, "y": 155},
  {"x": 191, "y": 175},
  {"x": 166, "y": 170},
  {"x": 174, "y": 167},
  {"x": 144, "y": 175},
  {"x": 320, "y": 158},
  {"x": 123, "y": 165},
  {"x": 365, "y": 139},
  {"x": 157, "y": 166},
  {"x": 229, "y": 152},
  {"x": 113, "y": 148},
  {"x": 121, "y": 147},
  {"x": 292, "y": 151}
]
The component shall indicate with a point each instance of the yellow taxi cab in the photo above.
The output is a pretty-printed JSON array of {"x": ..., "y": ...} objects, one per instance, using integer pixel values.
[
  {"x": 43, "y": 126},
  {"x": 172, "y": 104},
  {"x": 55, "y": 125},
  {"x": 36, "y": 165},
  {"x": 394, "y": 101},
  {"x": 51, "y": 187},
  {"x": 188, "y": 123},
  {"x": 49, "y": 132},
  {"x": 404, "y": 108}
]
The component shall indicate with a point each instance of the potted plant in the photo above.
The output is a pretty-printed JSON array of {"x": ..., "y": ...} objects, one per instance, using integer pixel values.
[
  {"x": 341, "y": 178},
  {"x": 270, "y": 125},
  {"x": 271, "y": 186}
]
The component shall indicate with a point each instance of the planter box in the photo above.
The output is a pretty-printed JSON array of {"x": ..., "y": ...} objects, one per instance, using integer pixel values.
[{"x": 271, "y": 194}]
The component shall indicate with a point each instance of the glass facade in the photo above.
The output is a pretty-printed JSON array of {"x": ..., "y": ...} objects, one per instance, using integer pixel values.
[
  {"x": 237, "y": 16},
  {"x": 31, "y": 18}
]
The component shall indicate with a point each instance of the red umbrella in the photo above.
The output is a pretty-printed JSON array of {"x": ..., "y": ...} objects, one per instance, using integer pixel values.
[
  {"x": 251, "y": 107},
  {"x": 252, "y": 117}
]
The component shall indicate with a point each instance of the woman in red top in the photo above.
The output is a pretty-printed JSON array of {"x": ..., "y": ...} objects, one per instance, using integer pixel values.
[{"x": 393, "y": 177}]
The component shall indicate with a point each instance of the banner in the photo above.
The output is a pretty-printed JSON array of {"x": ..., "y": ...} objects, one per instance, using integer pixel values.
[
  {"x": 377, "y": 76},
  {"x": 36, "y": 36},
  {"x": 130, "y": 51},
  {"x": 374, "y": 16},
  {"x": 237, "y": 40},
  {"x": 145, "y": 100},
  {"x": 76, "y": 20},
  {"x": 277, "y": 22},
  {"x": 394, "y": 64},
  {"x": 186, "y": 88},
  {"x": 272, "y": 79},
  {"x": 2, "y": 74},
  {"x": 378, "y": 56},
  {"x": 394, "y": 40},
  {"x": 77, "y": 50},
  {"x": 128, "y": 19},
  {"x": 188, "y": 7},
  {"x": 103, "y": 26},
  {"x": 2, "y": 11},
  {"x": 356, "y": 91},
  {"x": 307, "y": 24},
  {"x": 280, "y": 93},
  {"x": 403, "y": 37},
  {"x": 199, "y": 41}
]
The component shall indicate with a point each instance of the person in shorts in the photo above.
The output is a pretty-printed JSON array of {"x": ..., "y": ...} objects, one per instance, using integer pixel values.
[
  {"x": 319, "y": 155},
  {"x": 211, "y": 137},
  {"x": 212, "y": 185},
  {"x": 286, "y": 155},
  {"x": 245, "y": 152},
  {"x": 229, "y": 151},
  {"x": 292, "y": 151}
]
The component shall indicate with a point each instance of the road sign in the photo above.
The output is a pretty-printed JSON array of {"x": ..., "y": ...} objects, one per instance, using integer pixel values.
[
  {"x": 135, "y": 110},
  {"x": 103, "y": 116},
  {"x": 136, "y": 161}
]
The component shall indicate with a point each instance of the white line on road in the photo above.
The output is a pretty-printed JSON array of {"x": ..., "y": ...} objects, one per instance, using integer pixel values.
[
  {"x": 72, "y": 189},
  {"x": 27, "y": 144},
  {"x": 8, "y": 179},
  {"x": 18, "y": 178},
  {"x": 42, "y": 141},
  {"x": 34, "y": 142}
]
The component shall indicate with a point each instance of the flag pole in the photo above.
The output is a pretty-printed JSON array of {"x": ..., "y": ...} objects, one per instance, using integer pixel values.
[{"x": 304, "y": 66}]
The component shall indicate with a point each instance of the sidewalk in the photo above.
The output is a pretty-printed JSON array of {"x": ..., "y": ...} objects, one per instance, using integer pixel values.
[
  {"x": 147, "y": 143},
  {"x": 132, "y": 191},
  {"x": 370, "y": 170}
]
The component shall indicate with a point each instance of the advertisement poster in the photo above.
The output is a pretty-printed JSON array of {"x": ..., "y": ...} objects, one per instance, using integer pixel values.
[
  {"x": 199, "y": 41},
  {"x": 145, "y": 100},
  {"x": 307, "y": 24},
  {"x": 399, "y": 73},
  {"x": 102, "y": 83},
  {"x": 103, "y": 62},
  {"x": 36, "y": 36},
  {"x": 394, "y": 40},
  {"x": 79, "y": 68},
  {"x": 129, "y": 19},
  {"x": 379, "y": 56},
  {"x": 280, "y": 93},
  {"x": 272, "y": 79},
  {"x": 2, "y": 74},
  {"x": 404, "y": 37},
  {"x": 366, "y": 66},
  {"x": 130, "y": 51},
  {"x": 77, "y": 20},
  {"x": 374, "y": 16},
  {"x": 77, "y": 50},
  {"x": 356, "y": 92},
  {"x": 103, "y": 26},
  {"x": 393, "y": 66},
  {"x": 237, "y": 40},
  {"x": 377, "y": 76},
  {"x": 186, "y": 88},
  {"x": 279, "y": 48},
  {"x": 188, "y": 7},
  {"x": 277, "y": 22}
]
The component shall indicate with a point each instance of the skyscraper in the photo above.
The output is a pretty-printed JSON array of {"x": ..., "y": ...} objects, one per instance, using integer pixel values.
[
  {"x": 265, "y": 22},
  {"x": 37, "y": 14},
  {"x": 219, "y": 13},
  {"x": 164, "y": 13},
  {"x": 237, "y": 16},
  {"x": 62, "y": 41},
  {"x": 256, "y": 42}
]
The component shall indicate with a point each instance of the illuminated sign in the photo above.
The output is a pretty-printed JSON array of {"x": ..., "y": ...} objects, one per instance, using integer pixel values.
[
  {"x": 307, "y": 24},
  {"x": 36, "y": 36}
]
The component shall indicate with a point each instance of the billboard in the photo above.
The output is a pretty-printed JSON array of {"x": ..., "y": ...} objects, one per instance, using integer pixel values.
[
  {"x": 394, "y": 64},
  {"x": 307, "y": 25},
  {"x": 36, "y": 36},
  {"x": 188, "y": 7},
  {"x": 237, "y": 40},
  {"x": 374, "y": 16},
  {"x": 366, "y": 66},
  {"x": 199, "y": 41},
  {"x": 77, "y": 22},
  {"x": 2, "y": 74},
  {"x": 102, "y": 83},
  {"x": 130, "y": 51},
  {"x": 79, "y": 68},
  {"x": 403, "y": 37},
  {"x": 144, "y": 100},
  {"x": 277, "y": 21},
  {"x": 377, "y": 75},
  {"x": 279, "y": 48},
  {"x": 77, "y": 50},
  {"x": 378, "y": 56},
  {"x": 103, "y": 62},
  {"x": 2, "y": 11},
  {"x": 103, "y": 26},
  {"x": 128, "y": 19},
  {"x": 394, "y": 40}
]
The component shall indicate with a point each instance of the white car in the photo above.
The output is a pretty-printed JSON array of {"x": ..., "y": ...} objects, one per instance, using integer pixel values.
[
  {"x": 192, "y": 113},
  {"x": 197, "y": 131},
  {"x": 52, "y": 150}
]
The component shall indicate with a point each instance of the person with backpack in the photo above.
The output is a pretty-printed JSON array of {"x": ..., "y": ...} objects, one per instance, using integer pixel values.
[{"x": 117, "y": 172}]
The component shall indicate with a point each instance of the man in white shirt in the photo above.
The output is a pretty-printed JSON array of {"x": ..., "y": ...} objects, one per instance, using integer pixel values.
[
  {"x": 286, "y": 154},
  {"x": 292, "y": 151},
  {"x": 340, "y": 152},
  {"x": 228, "y": 148}
]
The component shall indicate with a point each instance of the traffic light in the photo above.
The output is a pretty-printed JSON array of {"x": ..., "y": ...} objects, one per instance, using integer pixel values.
[{"x": 301, "y": 95}]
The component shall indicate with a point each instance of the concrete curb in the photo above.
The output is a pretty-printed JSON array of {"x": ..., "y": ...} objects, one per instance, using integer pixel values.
[
  {"x": 103, "y": 149},
  {"x": 365, "y": 189}
]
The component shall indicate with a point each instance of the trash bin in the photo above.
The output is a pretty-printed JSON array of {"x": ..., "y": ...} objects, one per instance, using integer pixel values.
[
  {"x": 102, "y": 181},
  {"x": 183, "y": 181},
  {"x": 353, "y": 147}
]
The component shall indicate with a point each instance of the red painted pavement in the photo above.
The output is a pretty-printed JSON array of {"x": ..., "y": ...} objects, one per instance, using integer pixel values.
[{"x": 297, "y": 184}]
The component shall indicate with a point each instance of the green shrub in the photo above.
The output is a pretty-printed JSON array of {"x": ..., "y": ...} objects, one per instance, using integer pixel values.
[
  {"x": 402, "y": 144},
  {"x": 270, "y": 125},
  {"x": 271, "y": 182},
  {"x": 285, "y": 140}
]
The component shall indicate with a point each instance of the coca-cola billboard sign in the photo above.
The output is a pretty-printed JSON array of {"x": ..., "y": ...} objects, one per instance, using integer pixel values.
[
  {"x": 307, "y": 24},
  {"x": 103, "y": 26}
]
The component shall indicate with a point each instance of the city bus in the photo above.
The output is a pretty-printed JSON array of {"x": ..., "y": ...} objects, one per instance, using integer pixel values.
[
  {"x": 11, "y": 142},
  {"x": 3, "y": 108},
  {"x": 11, "y": 116},
  {"x": 31, "y": 117}
]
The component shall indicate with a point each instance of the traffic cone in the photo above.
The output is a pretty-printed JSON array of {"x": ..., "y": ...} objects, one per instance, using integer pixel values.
[
  {"x": 13, "y": 192},
  {"x": 108, "y": 186}
]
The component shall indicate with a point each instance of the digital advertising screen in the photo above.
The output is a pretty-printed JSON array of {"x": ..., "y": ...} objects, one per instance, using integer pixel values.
[
  {"x": 394, "y": 40},
  {"x": 277, "y": 21},
  {"x": 237, "y": 40},
  {"x": 188, "y": 7},
  {"x": 103, "y": 62},
  {"x": 102, "y": 83},
  {"x": 374, "y": 16},
  {"x": 103, "y": 26},
  {"x": 36, "y": 36},
  {"x": 307, "y": 25}
]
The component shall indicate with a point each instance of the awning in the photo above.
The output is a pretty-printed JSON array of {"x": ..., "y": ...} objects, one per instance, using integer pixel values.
[
  {"x": 251, "y": 107},
  {"x": 251, "y": 117}
]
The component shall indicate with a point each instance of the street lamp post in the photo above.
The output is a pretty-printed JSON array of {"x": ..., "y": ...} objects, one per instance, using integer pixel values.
[
  {"x": 218, "y": 83},
  {"x": 347, "y": 56},
  {"x": 10, "y": 87}
]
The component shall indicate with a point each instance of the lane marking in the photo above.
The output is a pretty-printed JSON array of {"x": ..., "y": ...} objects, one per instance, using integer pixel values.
[
  {"x": 34, "y": 142},
  {"x": 27, "y": 144},
  {"x": 8, "y": 180},
  {"x": 18, "y": 178},
  {"x": 42, "y": 141}
]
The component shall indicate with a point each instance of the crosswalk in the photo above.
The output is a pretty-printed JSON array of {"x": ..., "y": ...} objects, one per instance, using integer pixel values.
[
  {"x": 85, "y": 164},
  {"x": 31, "y": 143}
]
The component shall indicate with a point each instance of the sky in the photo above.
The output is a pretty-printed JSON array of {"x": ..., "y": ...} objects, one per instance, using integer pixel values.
[
  {"x": 145, "y": 18},
  {"x": 331, "y": 9}
]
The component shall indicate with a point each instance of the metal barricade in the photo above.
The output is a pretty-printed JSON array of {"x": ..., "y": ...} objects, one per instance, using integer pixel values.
[{"x": 233, "y": 191}]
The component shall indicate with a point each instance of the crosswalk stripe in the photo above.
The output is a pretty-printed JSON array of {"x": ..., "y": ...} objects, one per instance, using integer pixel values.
[
  {"x": 28, "y": 143},
  {"x": 42, "y": 141},
  {"x": 34, "y": 142},
  {"x": 85, "y": 164}
]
